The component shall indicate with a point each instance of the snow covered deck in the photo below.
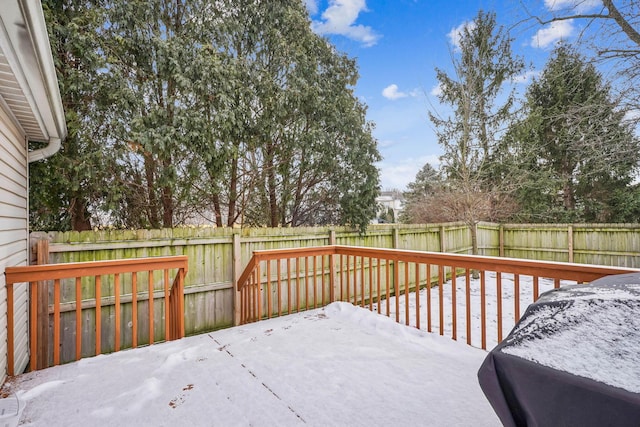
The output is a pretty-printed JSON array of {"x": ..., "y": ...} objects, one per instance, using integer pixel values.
[{"x": 340, "y": 365}]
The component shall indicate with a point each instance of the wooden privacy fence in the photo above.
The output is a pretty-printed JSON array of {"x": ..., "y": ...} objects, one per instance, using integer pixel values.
[
  {"x": 74, "y": 281},
  {"x": 277, "y": 282}
]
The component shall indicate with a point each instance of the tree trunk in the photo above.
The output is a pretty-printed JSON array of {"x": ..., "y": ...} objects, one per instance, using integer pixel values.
[
  {"x": 152, "y": 211},
  {"x": 217, "y": 209},
  {"x": 271, "y": 188},
  {"x": 80, "y": 217},
  {"x": 233, "y": 190}
]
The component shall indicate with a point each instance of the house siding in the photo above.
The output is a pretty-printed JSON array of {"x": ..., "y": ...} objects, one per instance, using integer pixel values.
[{"x": 13, "y": 237}]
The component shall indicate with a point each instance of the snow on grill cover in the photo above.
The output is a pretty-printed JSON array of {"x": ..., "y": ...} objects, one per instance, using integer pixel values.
[{"x": 572, "y": 359}]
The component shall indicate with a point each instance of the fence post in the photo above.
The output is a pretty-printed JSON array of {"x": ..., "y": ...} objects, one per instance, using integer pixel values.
[
  {"x": 395, "y": 238},
  {"x": 42, "y": 324},
  {"x": 237, "y": 271},
  {"x": 501, "y": 240},
  {"x": 442, "y": 240},
  {"x": 570, "y": 242}
]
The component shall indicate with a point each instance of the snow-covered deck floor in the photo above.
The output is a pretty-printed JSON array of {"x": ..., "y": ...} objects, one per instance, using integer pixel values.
[{"x": 336, "y": 366}]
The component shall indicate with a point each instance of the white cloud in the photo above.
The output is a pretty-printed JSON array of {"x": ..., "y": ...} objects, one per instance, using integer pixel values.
[
  {"x": 579, "y": 6},
  {"x": 436, "y": 90},
  {"x": 556, "y": 31},
  {"x": 526, "y": 77},
  {"x": 340, "y": 18},
  {"x": 392, "y": 92},
  {"x": 456, "y": 33}
]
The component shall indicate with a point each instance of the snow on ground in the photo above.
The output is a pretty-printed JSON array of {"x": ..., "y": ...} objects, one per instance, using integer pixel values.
[
  {"x": 340, "y": 365},
  {"x": 508, "y": 306}
]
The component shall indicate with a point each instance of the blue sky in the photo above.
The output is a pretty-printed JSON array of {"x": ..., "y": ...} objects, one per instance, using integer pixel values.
[{"x": 399, "y": 43}]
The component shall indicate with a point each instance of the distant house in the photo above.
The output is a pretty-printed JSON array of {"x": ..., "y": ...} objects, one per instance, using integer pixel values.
[
  {"x": 390, "y": 205},
  {"x": 30, "y": 110}
]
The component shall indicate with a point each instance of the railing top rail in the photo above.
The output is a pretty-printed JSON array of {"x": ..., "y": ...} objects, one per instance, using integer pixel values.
[
  {"x": 33, "y": 273},
  {"x": 560, "y": 270}
]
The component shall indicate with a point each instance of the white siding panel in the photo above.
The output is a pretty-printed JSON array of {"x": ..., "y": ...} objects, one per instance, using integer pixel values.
[{"x": 13, "y": 236}]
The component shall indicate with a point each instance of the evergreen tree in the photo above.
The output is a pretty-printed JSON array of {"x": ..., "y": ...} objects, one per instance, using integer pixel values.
[
  {"x": 574, "y": 140},
  {"x": 67, "y": 188},
  {"x": 482, "y": 68}
]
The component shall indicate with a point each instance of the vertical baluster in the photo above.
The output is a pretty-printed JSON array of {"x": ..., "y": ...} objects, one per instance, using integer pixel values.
[
  {"x": 167, "y": 316},
  {"x": 98, "y": 285},
  {"x": 348, "y": 275},
  {"x": 406, "y": 294},
  {"x": 306, "y": 283},
  {"x": 258, "y": 292},
  {"x": 396, "y": 287},
  {"x": 33, "y": 320},
  {"x": 483, "y": 310},
  {"x": 378, "y": 278},
  {"x": 78, "y": 318},
  {"x": 370, "y": 284},
  {"x": 467, "y": 278},
  {"x": 134, "y": 309},
  {"x": 269, "y": 300},
  {"x": 499, "y": 302},
  {"x": 279, "y": 284},
  {"x": 116, "y": 296},
  {"x": 56, "y": 322},
  {"x": 288, "y": 285},
  {"x": 355, "y": 280},
  {"x": 556, "y": 283},
  {"x": 516, "y": 297},
  {"x": 428, "y": 297},
  {"x": 441, "y": 273},
  {"x": 417, "y": 295},
  {"x": 314, "y": 278},
  {"x": 298, "y": 286},
  {"x": 150, "y": 288},
  {"x": 387, "y": 284},
  {"x": 362, "y": 284},
  {"x": 535, "y": 288},
  {"x": 323, "y": 282},
  {"x": 454, "y": 307}
]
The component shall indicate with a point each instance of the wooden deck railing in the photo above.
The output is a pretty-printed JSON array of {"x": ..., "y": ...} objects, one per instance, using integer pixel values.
[
  {"x": 277, "y": 282},
  {"x": 89, "y": 275}
]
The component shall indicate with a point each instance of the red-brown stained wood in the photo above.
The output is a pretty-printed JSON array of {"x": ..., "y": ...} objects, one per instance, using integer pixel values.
[
  {"x": 378, "y": 279},
  {"x": 56, "y": 322},
  {"x": 98, "y": 283},
  {"x": 396, "y": 288},
  {"x": 454, "y": 306},
  {"x": 516, "y": 297},
  {"x": 151, "y": 289},
  {"x": 167, "y": 319},
  {"x": 134, "y": 309},
  {"x": 499, "y": 303},
  {"x": 418, "y": 296},
  {"x": 441, "y": 273},
  {"x": 483, "y": 311},
  {"x": 428, "y": 314},
  {"x": 78, "y": 318},
  {"x": 467, "y": 278},
  {"x": 406, "y": 294}
]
